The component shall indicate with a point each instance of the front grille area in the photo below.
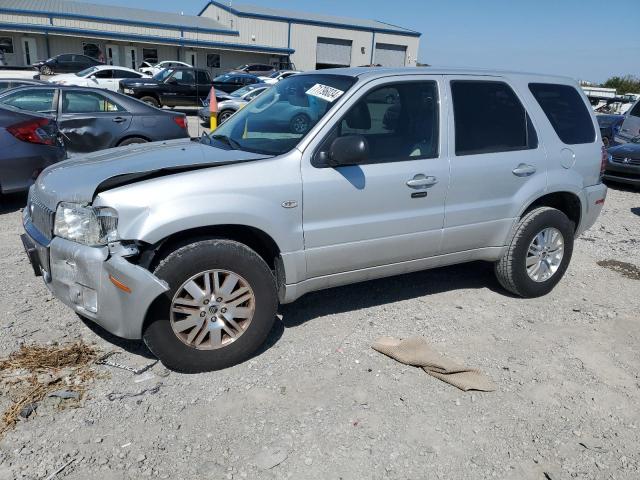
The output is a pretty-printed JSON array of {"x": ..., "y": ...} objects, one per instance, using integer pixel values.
[
  {"x": 626, "y": 160},
  {"x": 41, "y": 216}
]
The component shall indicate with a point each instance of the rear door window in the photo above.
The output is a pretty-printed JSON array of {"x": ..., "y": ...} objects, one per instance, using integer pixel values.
[
  {"x": 203, "y": 77},
  {"x": 88, "y": 102},
  {"x": 107, "y": 73},
  {"x": 125, "y": 74},
  {"x": 566, "y": 111},
  {"x": 34, "y": 100},
  {"x": 489, "y": 118}
]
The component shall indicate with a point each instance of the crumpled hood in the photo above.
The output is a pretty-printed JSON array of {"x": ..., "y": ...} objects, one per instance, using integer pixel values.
[{"x": 78, "y": 179}]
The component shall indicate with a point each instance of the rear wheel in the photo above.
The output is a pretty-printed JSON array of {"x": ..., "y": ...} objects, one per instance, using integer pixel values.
[
  {"x": 132, "y": 141},
  {"x": 151, "y": 101},
  {"x": 300, "y": 124},
  {"x": 539, "y": 253},
  {"x": 224, "y": 115},
  {"x": 219, "y": 309}
]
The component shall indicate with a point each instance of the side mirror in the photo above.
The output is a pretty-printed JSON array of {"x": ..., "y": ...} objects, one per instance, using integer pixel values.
[
  {"x": 349, "y": 150},
  {"x": 172, "y": 81},
  {"x": 92, "y": 77}
]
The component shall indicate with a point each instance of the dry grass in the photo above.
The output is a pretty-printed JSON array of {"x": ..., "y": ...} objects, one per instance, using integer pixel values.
[{"x": 47, "y": 369}]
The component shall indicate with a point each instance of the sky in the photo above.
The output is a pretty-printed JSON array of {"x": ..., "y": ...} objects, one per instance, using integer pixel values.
[{"x": 585, "y": 39}]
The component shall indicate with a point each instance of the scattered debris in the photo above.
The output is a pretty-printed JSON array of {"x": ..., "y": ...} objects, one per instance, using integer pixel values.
[
  {"x": 417, "y": 352},
  {"x": 50, "y": 477},
  {"x": 65, "y": 394},
  {"x": 119, "y": 396},
  {"x": 110, "y": 363},
  {"x": 144, "y": 377},
  {"x": 271, "y": 457},
  {"x": 44, "y": 369},
  {"x": 28, "y": 409},
  {"x": 625, "y": 269}
]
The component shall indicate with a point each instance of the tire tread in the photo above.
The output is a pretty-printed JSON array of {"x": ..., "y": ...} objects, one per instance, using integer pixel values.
[{"x": 504, "y": 268}]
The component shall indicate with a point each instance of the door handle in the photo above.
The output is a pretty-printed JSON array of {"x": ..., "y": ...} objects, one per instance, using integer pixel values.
[
  {"x": 524, "y": 170},
  {"x": 119, "y": 119},
  {"x": 422, "y": 181}
]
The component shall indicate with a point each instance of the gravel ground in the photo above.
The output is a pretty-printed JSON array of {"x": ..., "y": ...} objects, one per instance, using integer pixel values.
[{"x": 319, "y": 403}]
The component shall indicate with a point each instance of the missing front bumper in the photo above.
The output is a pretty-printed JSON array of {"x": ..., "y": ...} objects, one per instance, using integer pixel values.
[{"x": 79, "y": 276}]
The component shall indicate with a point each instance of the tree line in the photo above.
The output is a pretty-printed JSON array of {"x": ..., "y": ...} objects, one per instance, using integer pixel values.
[{"x": 626, "y": 84}]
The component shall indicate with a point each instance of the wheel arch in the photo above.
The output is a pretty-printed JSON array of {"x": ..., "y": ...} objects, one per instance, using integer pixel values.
[
  {"x": 133, "y": 135},
  {"x": 567, "y": 202},
  {"x": 256, "y": 239},
  {"x": 141, "y": 95}
]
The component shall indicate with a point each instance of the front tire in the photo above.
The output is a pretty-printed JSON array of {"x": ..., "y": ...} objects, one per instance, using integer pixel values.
[
  {"x": 539, "y": 253},
  {"x": 219, "y": 310},
  {"x": 132, "y": 141},
  {"x": 300, "y": 124},
  {"x": 224, "y": 115},
  {"x": 46, "y": 70},
  {"x": 151, "y": 101}
]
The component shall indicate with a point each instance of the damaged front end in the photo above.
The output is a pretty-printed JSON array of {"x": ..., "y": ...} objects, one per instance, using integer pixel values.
[{"x": 97, "y": 282}]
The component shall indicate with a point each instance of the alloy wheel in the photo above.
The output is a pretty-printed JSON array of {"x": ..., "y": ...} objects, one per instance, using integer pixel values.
[
  {"x": 545, "y": 254},
  {"x": 212, "y": 309}
]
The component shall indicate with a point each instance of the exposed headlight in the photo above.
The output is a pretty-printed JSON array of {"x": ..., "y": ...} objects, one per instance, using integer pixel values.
[
  {"x": 87, "y": 225},
  {"x": 128, "y": 90}
]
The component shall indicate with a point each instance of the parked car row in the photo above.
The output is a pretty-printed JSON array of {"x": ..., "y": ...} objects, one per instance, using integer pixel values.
[{"x": 621, "y": 133}]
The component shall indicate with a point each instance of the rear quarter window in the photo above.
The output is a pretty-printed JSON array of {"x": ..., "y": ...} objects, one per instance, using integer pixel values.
[{"x": 566, "y": 111}]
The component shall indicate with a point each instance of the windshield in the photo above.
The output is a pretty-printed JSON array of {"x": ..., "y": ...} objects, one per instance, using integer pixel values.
[
  {"x": 281, "y": 116},
  {"x": 86, "y": 72},
  {"x": 243, "y": 91},
  {"x": 222, "y": 78},
  {"x": 274, "y": 74},
  {"x": 162, "y": 75}
]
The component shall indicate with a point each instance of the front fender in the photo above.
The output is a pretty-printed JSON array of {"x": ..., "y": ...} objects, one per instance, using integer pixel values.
[{"x": 251, "y": 194}]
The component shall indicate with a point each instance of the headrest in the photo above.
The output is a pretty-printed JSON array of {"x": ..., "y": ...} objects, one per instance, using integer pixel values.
[{"x": 359, "y": 117}]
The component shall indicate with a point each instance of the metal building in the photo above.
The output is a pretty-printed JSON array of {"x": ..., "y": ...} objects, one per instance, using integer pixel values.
[{"x": 219, "y": 38}]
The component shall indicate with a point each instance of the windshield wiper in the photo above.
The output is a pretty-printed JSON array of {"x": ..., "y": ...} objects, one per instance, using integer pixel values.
[{"x": 228, "y": 140}]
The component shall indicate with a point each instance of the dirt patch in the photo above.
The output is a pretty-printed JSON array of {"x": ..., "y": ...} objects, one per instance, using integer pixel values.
[
  {"x": 626, "y": 269},
  {"x": 35, "y": 372}
]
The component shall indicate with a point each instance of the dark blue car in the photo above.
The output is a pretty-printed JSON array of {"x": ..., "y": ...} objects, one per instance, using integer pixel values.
[{"x": 609, "y": 127}]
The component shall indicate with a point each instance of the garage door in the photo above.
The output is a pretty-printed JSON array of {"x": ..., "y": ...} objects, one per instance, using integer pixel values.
[
  {"x": 389, "y": 55},
  {"x": 333, "y": 52}
]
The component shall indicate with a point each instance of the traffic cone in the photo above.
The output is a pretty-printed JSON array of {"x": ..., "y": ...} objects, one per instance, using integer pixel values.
[{"x": 213, "y": 109}]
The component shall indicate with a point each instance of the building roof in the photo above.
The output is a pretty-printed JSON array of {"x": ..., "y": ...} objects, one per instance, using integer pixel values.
[
  {"x": 255, "y": 11},
  {"x": 135, "y": 16}
]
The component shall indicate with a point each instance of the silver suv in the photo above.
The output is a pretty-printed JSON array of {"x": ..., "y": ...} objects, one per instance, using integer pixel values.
[{"x": 191, "y": 245}]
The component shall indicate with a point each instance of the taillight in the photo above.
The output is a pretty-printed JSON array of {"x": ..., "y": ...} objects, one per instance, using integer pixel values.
[
  {"x": 181, "y": 121},
  {"x": 603, "y": 162},
  {"x": 34, "y": 131}
]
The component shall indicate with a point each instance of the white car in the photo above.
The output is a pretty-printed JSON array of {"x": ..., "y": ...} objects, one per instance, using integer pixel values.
[
  {"x": 277, "y": 76},
  {"x": 153, "y": 69},
  {"x": 101, "y": 76}
]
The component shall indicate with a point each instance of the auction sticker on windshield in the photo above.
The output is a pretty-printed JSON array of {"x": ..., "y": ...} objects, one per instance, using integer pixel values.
[{"x": 325, "y": 92}]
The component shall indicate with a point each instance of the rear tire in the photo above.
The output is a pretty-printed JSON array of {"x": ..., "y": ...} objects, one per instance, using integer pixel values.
[
  {"x": 224, "y": 115},
  {"x": 300, "y": 124},
  {"x": 177, "y": 347},
  {"x": 516, "y": 270},
  {"x": 132, "y": 141},
  {"x": 151, "y": 101}
]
